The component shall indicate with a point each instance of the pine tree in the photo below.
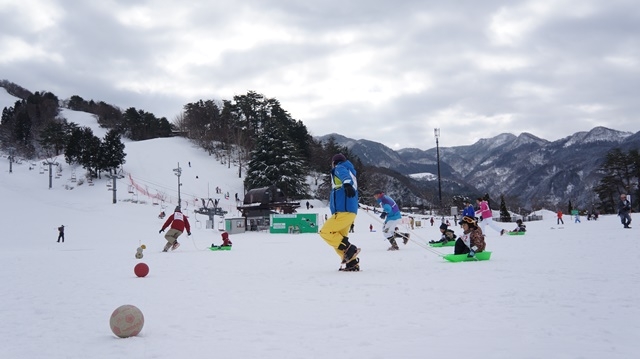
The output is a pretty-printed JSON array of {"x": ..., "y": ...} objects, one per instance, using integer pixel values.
[
  {"x": 275, "y": 161},
  {"x": 505, "y": 216},
  {"x": 53, "y": 137},
  {"x": 111, "y": 151}
]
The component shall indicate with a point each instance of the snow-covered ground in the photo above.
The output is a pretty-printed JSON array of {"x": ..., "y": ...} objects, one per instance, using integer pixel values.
[{"x": 557, "y": 292}]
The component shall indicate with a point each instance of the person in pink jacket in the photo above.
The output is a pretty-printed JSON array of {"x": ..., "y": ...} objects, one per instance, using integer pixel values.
[
  {"x": 179, "y": 223},
  {"x": 487, "y": 217}
]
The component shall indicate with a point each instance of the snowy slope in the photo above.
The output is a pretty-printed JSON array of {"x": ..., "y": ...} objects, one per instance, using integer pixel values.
[{"x": 553, "y": 293}]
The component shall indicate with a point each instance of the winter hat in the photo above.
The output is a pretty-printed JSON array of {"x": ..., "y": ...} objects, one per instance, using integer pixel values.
[
  {"x": 378, "y": 191},
  {"x": 338, "y": 158},
  {"x": 177, "y": 209},
  {"x": 519, "y": 221},
  {"x": 468, "y": 220},
  {"x": 444, "y": 226}
]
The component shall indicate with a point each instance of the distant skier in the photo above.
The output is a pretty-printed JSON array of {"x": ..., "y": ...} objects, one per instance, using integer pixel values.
[
  {"x": 61, "y": 233},
  {"x": 559, "y": 215},
  {"x": 179, "y": 223}
]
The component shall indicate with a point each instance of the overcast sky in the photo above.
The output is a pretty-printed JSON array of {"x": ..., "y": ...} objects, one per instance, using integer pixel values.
[{"x": 386, "y": 71}]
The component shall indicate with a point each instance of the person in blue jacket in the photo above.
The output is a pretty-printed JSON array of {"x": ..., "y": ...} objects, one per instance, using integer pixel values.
[
  {"x": 343, "y": 203},
  {"x": 468, "y": 209},
  {"x": 392, "y": 219}
]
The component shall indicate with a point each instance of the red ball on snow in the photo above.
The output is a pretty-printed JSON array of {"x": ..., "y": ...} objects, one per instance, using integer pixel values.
[{"x": 141, "y": 269}]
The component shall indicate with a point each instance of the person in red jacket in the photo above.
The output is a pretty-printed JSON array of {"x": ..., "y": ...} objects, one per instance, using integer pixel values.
[
  {"x": 225, "y": 240},
  {"x": 179, "y": 223}
]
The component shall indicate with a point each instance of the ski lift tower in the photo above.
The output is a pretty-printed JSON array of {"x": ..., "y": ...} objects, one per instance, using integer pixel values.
[
  {"x": 178, "y": 172},
  {"x": 11, "y": 158},
  {"x": 50, "y": 162},
  {"x": 114, "y": 177}
]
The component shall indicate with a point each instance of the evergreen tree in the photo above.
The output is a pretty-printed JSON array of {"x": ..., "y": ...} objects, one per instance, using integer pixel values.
[
  {"x": 91, "y": 151},
  {"x": 275, "y": 161},
  {"x": 505, "y": 216},
  {"x": 53, "y": 137},
  {"x": 112, "y": 152},
  {"x": 621, "y": 173},
  {"x": 73, "y": 144}
]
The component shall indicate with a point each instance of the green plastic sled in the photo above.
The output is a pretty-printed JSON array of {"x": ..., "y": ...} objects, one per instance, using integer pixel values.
[
  {"x": 448, "y": 244},
  {"x": 220, "y": 248},
  {"x": 516, "y": 233},
  {"x": 482, "y": 256}
]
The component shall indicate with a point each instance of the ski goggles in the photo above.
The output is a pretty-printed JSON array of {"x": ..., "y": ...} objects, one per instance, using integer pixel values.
[{"x": 467, "y": 220}]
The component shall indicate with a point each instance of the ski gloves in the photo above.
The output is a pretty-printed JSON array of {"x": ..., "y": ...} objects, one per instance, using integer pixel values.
[
  {"x": 472, "y": 252},
  {"x": 383, "y": 215},
  {"x": 349, "y": 190},
  {"x": 160, "y": 231}
]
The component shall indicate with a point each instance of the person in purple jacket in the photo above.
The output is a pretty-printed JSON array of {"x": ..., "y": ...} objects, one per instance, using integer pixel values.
[{"x": 392, "y": 219}]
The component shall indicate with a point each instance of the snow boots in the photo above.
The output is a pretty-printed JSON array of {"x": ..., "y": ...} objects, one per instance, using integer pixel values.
[
  {"x": 394, "y": 244},
  {"x": 350, "y": 256},
  {"x": 352, "y": 266},
  {"x": 404, "y": 236},
  {"x": 173, "y": 246}
]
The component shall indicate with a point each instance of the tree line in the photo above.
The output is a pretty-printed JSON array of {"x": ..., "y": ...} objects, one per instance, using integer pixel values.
[
  {"x": 251, "y": 131},
  {"x": 34, "y": 128}
]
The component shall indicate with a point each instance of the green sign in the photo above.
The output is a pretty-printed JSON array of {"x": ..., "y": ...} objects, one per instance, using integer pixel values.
[{"x": 294, "y": 223}]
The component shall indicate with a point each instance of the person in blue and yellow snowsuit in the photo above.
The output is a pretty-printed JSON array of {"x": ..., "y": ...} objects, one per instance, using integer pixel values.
[{"x": 343, "y": 203}]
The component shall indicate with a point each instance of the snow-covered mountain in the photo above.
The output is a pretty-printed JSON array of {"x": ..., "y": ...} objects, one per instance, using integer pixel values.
[{"x": 534, "y": 170}]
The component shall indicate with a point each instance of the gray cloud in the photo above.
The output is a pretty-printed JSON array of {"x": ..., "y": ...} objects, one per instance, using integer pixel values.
[{"x": 389, "y": 72}]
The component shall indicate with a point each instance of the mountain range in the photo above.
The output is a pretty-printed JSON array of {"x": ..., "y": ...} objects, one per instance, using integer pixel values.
[{"x": 536, "y": 172}]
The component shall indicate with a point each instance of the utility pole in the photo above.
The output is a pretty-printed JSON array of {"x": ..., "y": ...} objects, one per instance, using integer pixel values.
[{"x": 436, "y": 132}]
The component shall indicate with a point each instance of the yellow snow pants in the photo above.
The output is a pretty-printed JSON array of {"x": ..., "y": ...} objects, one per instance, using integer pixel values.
[{"x": 336, "y": 228}]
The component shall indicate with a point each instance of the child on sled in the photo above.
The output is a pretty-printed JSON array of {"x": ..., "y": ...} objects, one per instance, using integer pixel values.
[
  {"x": 520, "y": 228},
  {"x": 447, "y": 234},
  {"x": 225, "y": 241}
]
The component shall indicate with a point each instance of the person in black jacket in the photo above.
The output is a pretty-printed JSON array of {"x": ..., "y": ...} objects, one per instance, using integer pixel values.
[
  {"x": 624, "y": 207},
  {"x": 61, "y": 233}
]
